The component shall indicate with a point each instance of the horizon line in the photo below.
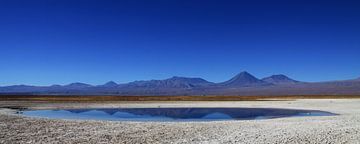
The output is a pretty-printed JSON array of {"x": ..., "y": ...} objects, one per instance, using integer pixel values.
[{"x": 119, "y": 83}]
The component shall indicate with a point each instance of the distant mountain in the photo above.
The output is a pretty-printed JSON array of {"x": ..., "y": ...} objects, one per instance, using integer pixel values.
[
  {"x": 242, "y": 84},
  {"x": 78, "y": 85},
  {"x": 109, "y": 84},
  {"x": 244, "y": 79},
  {"x": 174, "y": 82},
  {"x": 279, "y": 79}
]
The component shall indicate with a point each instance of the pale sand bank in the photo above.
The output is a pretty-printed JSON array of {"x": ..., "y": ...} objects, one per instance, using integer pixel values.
[{"x": 344, "y": 128}]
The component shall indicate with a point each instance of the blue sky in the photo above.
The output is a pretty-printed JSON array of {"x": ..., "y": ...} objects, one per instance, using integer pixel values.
[{"x": 94, "y": 41}]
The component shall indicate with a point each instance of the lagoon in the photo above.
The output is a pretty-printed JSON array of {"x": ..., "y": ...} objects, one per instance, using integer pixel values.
[{"x": 173, "y": 114}]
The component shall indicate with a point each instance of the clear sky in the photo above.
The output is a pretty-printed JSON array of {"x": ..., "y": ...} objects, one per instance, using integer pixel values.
[{"x": 45, "y": 42}]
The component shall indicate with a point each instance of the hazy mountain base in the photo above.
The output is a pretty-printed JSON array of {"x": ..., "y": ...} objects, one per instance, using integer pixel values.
[
  {"x": 336, "y": 88},
  {"x": 243, "y": 84}
]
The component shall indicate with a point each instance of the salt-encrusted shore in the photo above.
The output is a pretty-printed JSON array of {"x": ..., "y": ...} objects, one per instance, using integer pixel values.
[{"x": 343, "y": 128}]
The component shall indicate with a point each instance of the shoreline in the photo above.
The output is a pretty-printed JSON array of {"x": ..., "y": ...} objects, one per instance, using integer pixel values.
[{"x": 343, "y": 128}]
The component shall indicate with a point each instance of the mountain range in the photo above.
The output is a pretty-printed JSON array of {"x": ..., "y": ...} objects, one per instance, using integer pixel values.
[{"x": 242, "y": 84}]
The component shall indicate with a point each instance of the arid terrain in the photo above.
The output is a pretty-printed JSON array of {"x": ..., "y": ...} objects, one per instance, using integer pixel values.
[
  {"x": 343, "y": 128},
  {"x": 107, "y": 98}
]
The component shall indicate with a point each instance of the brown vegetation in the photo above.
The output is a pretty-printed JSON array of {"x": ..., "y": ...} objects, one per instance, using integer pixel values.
[{"x": 164, "y": 98}]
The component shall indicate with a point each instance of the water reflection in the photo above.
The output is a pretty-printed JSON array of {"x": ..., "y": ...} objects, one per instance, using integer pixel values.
[{"x": 171, "y": 114}]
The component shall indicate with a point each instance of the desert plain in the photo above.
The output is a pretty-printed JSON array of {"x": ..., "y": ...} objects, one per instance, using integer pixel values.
[{"x": 342, "y": 128}]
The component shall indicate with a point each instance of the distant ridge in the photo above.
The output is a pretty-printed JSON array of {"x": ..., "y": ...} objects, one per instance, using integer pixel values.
[
  {"x": 174, "y": 82},
  {"x": 242, "y": 84},
  {"x": 279, "y": 79},
  {"x": 78, "y": 85}
]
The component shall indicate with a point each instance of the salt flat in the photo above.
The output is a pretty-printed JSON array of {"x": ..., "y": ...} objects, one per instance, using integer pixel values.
[{"x": 343, "y": 128}]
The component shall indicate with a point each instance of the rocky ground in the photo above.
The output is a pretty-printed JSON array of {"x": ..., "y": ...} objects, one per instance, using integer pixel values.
[{"x": 343, "y": 128}]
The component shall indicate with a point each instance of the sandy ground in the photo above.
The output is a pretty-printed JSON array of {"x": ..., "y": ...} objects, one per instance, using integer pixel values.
[{"x": 344, "y": 128}]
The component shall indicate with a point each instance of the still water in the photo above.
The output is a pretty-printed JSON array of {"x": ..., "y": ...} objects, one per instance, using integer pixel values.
[{"x": 173, "y": 114}]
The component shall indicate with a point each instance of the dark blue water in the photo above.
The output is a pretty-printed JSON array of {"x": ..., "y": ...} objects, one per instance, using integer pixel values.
[{"x": 173, "y": 114}]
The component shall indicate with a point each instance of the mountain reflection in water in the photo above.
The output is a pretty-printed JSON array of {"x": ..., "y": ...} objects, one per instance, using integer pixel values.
[{"x": 177, "y": 114}]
